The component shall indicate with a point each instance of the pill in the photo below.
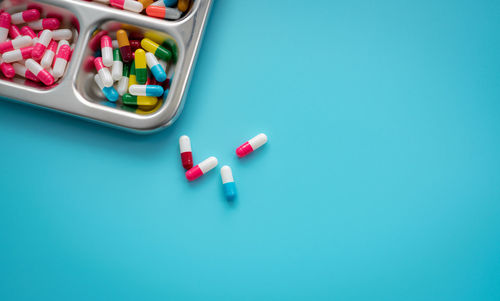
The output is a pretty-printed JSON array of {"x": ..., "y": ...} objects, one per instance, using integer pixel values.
[
  {"x": 251, "y": 145},
  {"x": 162, "y": 12},
  {"x": 41, "y": 45},
  {"x": 183, "y": 5},
  {"x": 62, "y": 58},
  {"x": 103, "y": 72},
  {"x": 48, "y": 56},
  {"x": 22, "y": 71},
  {"x": 146, "y": 90},
  {"x": 117, "y": 69},
  {"x": 14, "y": 31},
  {"x": 132, "y": 80},
  {"x": 109, "y": 92},
  {"x": 107, "y": 51},
  {"x": 129, "y": 5},
  {"x": 186, "y": 152},
  {"x": 146, "y": 3},
  {"x": 95, "y": 41},
  {"x": 130, "y": 99},
  {"x": 62, "y": 34},
  {"x": 228, "y": 182},
  {"x": 27, "y": 31},
  {"x": 124, "y": 44},
  {"x": 17, "y": 54},
  {"x": 26, "y": 16},
  {"x": 201, "y": 169},
  {"x": 20, "y": 42},
  {"x": 36, "y": 6},
  {"x": 155, "y": 67},
  {"x": 134, "y": 45},
  {"x": 141, "y": 72},
  {"x": 7, "y": 69},
  {"x": 4, "y": 26},
  {"x": 122, "y": 86},
  {"x": 43, "y": 75},
  {"x": 47, "y": 23},
  {"x": 156, "y": 49}
]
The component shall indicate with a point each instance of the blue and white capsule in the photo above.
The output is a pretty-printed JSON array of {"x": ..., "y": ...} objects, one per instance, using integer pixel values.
[
  {"x": 110, "y": 92},
  {"x": 228, "y": 182},
  {"x": 155, "y": 67},
  {"x": 146, "y": 90}
]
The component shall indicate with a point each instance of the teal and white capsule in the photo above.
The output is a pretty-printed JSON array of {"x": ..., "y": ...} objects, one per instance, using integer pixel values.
[
  {"x": 146, "y": 90},
  {"x": 109, "y": 92},
  {"x": 155, "y": 67},
  {"x": 228, "y": 182},
  {"x": 117, "y": 68}
]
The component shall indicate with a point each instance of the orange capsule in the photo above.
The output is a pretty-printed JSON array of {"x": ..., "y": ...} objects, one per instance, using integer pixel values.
[
  {"x": 124, "y": 44},
  {"x": 183, "y": 5}
]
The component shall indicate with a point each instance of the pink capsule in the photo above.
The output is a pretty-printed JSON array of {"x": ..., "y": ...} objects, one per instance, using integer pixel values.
[
  {"x": 251, "y": 145},
  {"x": 48, "y": 56},
  {"x": 7, "y": 69},
  {"x": 47, "y": 23},
  {"x": 43, "y": 75},
  {"x": 103, "y": 72},
  {"x": 26, "y": 16},
  {"x": 20, "y": 42},
  {"x": 22, "y": 71},
  {"x": 107, "y": 51},
  {"x": 35, "y": 6},
  {"x": 201, "y": 169},
  {"x": 14, "y": 31},
  {"x": 62, "y": 58},
  {"x": 41, "y": 45},
  {"x": 4, "y": 26},
  {"x": 88, "y": 64},
  {"x": 95, "y": 42},
  {"x": 130, "y": 5},
  {"x": 17, "y": 54},
  {"x": 27, "y": 31}
]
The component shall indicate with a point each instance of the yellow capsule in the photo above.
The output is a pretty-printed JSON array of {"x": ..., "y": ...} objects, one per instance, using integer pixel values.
[
  {"x": 149, "y": 109},
  {"x": 141, "y": 71}
]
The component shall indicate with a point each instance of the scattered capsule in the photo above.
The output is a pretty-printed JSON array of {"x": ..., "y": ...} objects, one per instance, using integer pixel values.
[
  {"x": 228, "y": 182},
  {"x": 14, "y": 31},
  {"x": 251, "y": 145},
  {"x": 155, "y": 67},
  {"x": 62, "y": 34},
  {"x": 43, "y": 75},
  {"x": 107, "y": 51},
  {"x": 62, "y": 58},
  {"x": 95, "y": 41},
  {"x": 103, "y": 72},
  {"x": 17, "y": 54},
  {"x": 26, "y": 16},
  {"x": 109, "y": 92},
  {"x": 27, "y": 31},
  {"x": 186, "y": 152},
  {"x": 141, "y": 71},
  {"x": 132, "y": 78},
  {"x": 4, "y": 26},
  {"x": 134, "y": 100},
  {"x": 7, "y": 69},
  {"x": 47, "y": 23},
  {"x": 48, "y": 56},
  {"x": 129, "y": 5},
  {"x": 122, "y": 87},
  {"x": 146, "y": 90},
  {"x": 41, "y": 45},
  {"x": 22, "y": 71},
  {"x": 162, "y": 12},
  {"x": 183, "y": 5},
  {"x": 201, "y": 169},
  {"x": 156, "y": 49},
  {"x": 117, "y": 69}
]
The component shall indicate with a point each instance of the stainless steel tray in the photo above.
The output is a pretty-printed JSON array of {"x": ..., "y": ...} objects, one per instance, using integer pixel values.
[{"x": 69, "y": 95}]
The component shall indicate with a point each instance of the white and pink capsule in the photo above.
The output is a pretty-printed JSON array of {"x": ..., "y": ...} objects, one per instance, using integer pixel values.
[
  {"x": 41, "y": 44},
  {"x": 26, "y": 16},
  {"x": 43, "y": 75},
  {"x": 201, "y": 169},
  {"x": 4, "y": 26},
  {"x": 20, "y": 42},
  {"x": 107, "y": 51},
  {"x": 62, "y": 58},
  {"x": 103, "y": 72},
  {"x": 22, "y": 71},
  {"x": 251, "y": 145},
  {"x": 47, "y": 23},
  {"x": 17, "y": 54},
  {"x": 48, "y": 56},
  {"x": 130, "y": 5}
]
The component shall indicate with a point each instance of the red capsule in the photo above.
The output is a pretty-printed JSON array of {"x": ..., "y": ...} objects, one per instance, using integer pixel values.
[{"x": 27, "y": 31}]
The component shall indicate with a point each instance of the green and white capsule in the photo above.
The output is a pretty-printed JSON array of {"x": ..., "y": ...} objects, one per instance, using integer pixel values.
[
  {"x": 123, "y": 82},
  {"x": 117, "y": 68}
]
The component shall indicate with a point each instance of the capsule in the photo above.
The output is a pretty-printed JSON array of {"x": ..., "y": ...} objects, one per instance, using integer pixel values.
[
  {"x": 88, "y": 64},
  {"x": 62, "y": 58},
  {"x": 62, "y": 34},
  {"x": 107, "y": 51},
  {"x": 47, "y": 23},
  {"x": 146, "y": 90},
  {"x": 132, "y": 78},
  {"x": 141, "y": 71},
  {"x": 155, "y": 67},
  {"x": 251, "y": 145},
  {"x": 117, "y": 69},
  {"x": 95, "y": 41},
  {"x": 228, "y": 182},
  {"x": 48, "y": 56},
  {"x": 186, "y": 152},
  {"x": 7, "y": 69},
  {"x": 4, "y": 26},
  {"x": 129, "y": 5},
  {"x": 14, "y": 31},
  {"x": 183, "y": 5},
  {"x": 41, "y": 45},
  {"x": 43, "y": 75},
  {"x": 28, "y": 31},
  {"x": 201, "y": 169},
  {"x": 162, "y": 12},
  {"x": 20, "y": 42},
  {"x": 17, "y": 54},
  {"x": 123, "y": 82},
  {"x": 103, "y": 72},
  {"x": 26, "y": 16},
  {"x": 22, "y": 71},
  {"x": 109, "y": 92},
  {"x": 124, "y": 44},
  {"x": 134, "y": 100},
  {"x": 156, "y": 49}
]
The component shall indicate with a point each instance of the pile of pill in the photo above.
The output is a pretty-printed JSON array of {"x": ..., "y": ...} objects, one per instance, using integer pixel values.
[
  {"x": 33, "y": 46},
  {"x": 162, "y": 9},
  {"x": 133, "y": 70},
  {"x": 194, "y": 172}
]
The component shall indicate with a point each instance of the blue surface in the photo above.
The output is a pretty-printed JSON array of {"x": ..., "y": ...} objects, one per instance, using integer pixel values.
[{"x": 380, "y": 180}]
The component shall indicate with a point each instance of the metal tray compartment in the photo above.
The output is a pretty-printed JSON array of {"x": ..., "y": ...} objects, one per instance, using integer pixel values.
[{"x": 73, "y": 94}]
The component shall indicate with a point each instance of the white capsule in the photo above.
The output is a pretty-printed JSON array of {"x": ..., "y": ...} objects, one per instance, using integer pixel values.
[
  {"x": 48, "y": 56},
  {"x": 45, "y": 37},
  {"x": 122, "y": 85},
  {"x": 106, "y": 77},
  {"x": 131, "y": 5},
  {"x": 226, "y": 174},
  {"x": 62, "y": 34},
  {"x": 62, "y": 58},
  {"x": 4, "y": 33},
  {"x": 98, "y": 81},
  {"x": 107, "y": 56}
]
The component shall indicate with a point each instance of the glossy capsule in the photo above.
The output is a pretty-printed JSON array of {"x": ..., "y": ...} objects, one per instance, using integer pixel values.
[
  {"x": 117, "y": 69},
  {"x": 27, "y": 31},
  {"x": 146, "y": 90},
  {"x": 228, "y": 182},
  {"x": 155, "y": 67},
  {"x": 162, "y": 12},
  {"x": 122, "y": 86},
  {"x": 20, "y": 42},
  {"x": 186, "y": 152},
  {"x": 62, "y": 34},
  {"x": 47, "y": 23},
  {"x": 62, "y": 58},
  {"x": 109, "y": 92},
  {"x": 14, "y": 31},
  {"x": 26, "y": 16},
  {"x": 141, "y": 71},
  {"x": 107, "y": 51},
  {"x": 43, "y": 75},
  {"x": 48, "y": 56},
  {"x": 103, "y": 72},
  {"x": 124, "y": 44},
  {"x": 7, "y": 69},
  {"x": 22, "y": 71},
  {"x": 133, "y": 100},
  {"x": 41, "y": 44},
  {"x": 156, "y": 49},
  {"x": 201, "y": 169},
  {"x": 95, "y": 41},
  {"x": 17, "y": 54},
  {"x": 132, "y": 80},
  {"x": 129, "y": 5},
  {"x": 251, "y": 145},
  {"x": 4, "y": 26}
]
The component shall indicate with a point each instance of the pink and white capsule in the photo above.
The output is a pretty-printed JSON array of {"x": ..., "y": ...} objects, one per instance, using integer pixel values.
[
  {"x": 130, "y": 5},
  {"x": 43, "y": 75},
  {"x": 103, "y": 72},
  {"x": 26, "y": 16},
  {"x": 48, "y": 56},
  {"x": 41, "y": 45},
  {"x": 17, "y": 54},
  {"x": 62, "y": 34},
  {"x": 62, "y": 58},
  {"x": 22, "y": 71},
  {"x": 251, "y": 145},
  {"x": 20, "y": 42},
  {"x": 47, "y": 23},
  {"x": 107, "y": 51},
  {"x": 7, "y": 69},
  {"x": 201, "y": 169},
  {"x": 27, "y": 31},
  {"x": 4, "y": 26}
]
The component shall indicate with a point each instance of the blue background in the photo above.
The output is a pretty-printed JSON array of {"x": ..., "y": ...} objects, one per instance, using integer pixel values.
[{"x": 380, "y": 180}]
